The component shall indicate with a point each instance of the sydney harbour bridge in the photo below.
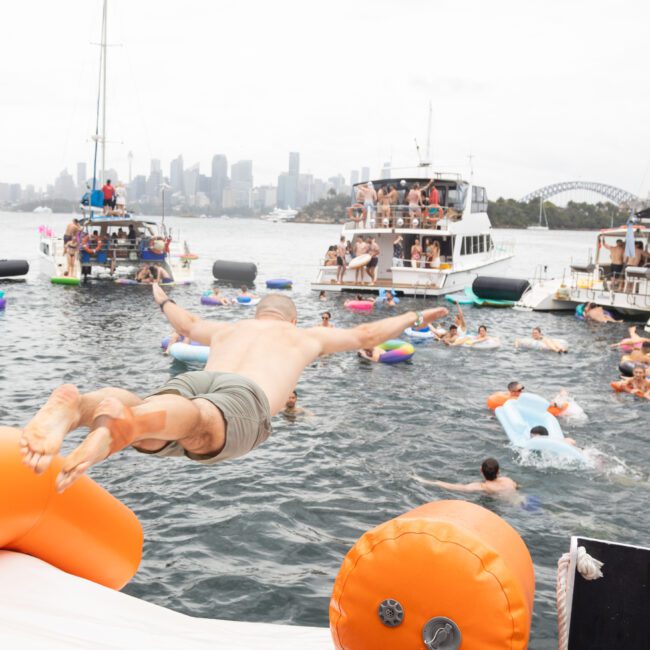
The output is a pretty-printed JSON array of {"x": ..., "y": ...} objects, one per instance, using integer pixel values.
[{"x": 614, "y": 194}]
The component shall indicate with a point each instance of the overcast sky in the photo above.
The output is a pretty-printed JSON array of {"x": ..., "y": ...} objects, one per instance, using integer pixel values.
[{"x": 537, "y": 92}]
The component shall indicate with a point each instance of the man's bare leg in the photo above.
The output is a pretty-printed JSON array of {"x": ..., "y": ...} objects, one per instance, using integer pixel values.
[
  {"x": 197, "y": 423},
  {"x": 63, "y": 412}
]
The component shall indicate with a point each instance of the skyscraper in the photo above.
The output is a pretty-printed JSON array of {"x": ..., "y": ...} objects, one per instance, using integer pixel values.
[
  {"x": 81, "y": 175},
  {"x": 176, "y": 174},
  {"x": 294, "y": 163},
  {"x": 354, "y": 177},
  {"x": 219, "y": 179},
  {"x": 242, "y": 183}
]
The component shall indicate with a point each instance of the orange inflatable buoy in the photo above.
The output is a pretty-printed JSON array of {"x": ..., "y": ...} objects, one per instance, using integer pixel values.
[
  {"x": 618, "y": 386},
  {"x": 84, "y": 531},
  {"x": 556, "y": 410},
  {"x": 498, "y": 399},
  {"x": 449, "y": 569}
]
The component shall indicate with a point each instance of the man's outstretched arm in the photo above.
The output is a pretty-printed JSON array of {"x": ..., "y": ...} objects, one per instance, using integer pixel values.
[
  {"x": 456, "y": 487},
  {"x": 183, "y": 322},
  {"x": 369, "y": 335}
]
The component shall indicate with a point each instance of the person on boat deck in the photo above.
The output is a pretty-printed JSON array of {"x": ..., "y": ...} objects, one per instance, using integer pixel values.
[
  {"x": 432, "y": 250},
  {"x": 330, "y": 256},
  {"x": 598, "y": 314},
  {"x": 543, "y": 431},
  {"x": 383, "y": 203},
  {"x": 326, "y": 319},
  {"x": 414, "y": 201},
  {"x": 120, "y": 199},
  {"x": 131, "y": 235},
  {"x": 71, "y": 250},
  {"x": 369, "y": 196},
  {"x": 245, "y": 293},
  {"x": 371, "y": 267},
  {"x": 546, "y": 341},
  {"x": 109, "y": 197},
  {"x": 398, "y": 251},
  {"x": 210, "y": 415},
  {"x": 638, "y": 384},
  {"x": 617, "y": 256},
  {"x": 416, "y": 254},
  {"x": 361, "y": 247},
  {"x": 492, "y": 484},
  {"x": 71, "y": 231},
  {"x": 341, "y": 250}
]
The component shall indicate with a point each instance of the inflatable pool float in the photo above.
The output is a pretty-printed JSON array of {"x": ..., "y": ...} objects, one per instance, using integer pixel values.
[
  {"x": 164, "y": 343},
  {"x": 359, "y": 261},
  {"x": 84, "y": 531},
  {"x": 208, "y": 298},
  {"x": 424, "y": 333},
  {"x": 396, "y": 351},
  {"x": 491, "y": 343},
  {"x": 247, "y": 301},
  {"x": 279, "y": 283},
  {"x": 470, "y": 298},
  {"x": 580, "y": 312},
  {"x": 626, "y": 367},
  {"x": 532, "y": 344},
  {"x": 188, "y": 353},
  {"x": 64, "y": 279},
  {"x": 359, "y": 305},
  {"x": 3, "y": 300},
  {"x": 519, "y": 416},
  {"x": 498, "y": 399},
  {"x": 459, "y": 298},
  {"x": 382, "y": 296}
]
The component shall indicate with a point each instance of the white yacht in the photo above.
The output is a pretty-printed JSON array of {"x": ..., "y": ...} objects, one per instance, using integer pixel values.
[
  {"x": 628, "y": 294},
  {"x": 461, "y": 227},
  {"x": 278, "y": 214}
]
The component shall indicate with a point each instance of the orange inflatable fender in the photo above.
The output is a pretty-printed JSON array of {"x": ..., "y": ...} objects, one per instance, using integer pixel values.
[
  {"x": 450, "y": 559},
  {"x": 556, "y": 410},
  {"x": 498, "y": 399},
  {"x": 84, "y": 531}
]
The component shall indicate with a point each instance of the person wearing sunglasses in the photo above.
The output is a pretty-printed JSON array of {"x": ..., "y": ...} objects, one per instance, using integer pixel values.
[
  {"x": 515, "y": 389},
  {"x": 326, "y": 319}
]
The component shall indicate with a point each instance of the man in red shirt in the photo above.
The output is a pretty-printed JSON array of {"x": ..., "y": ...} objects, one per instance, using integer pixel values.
[
  {"x": 435, "y": 211},
  {"x": 109, "y": 197}
]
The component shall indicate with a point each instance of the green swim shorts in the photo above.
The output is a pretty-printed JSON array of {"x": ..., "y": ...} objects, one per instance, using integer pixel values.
[{"x": 242, "y": 403}]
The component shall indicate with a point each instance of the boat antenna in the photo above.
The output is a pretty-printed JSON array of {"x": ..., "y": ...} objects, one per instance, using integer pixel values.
[
  {"x": 417, "y": 149},
  {"x": 163, "y": 187},
  {"x": 471, "y": 166}
]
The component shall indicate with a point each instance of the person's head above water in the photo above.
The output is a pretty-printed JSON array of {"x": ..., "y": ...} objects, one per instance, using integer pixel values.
[
  {"x": 243, "y": 288},
  {"x": 537, "y": 333},
  {"x": 539, "y": 431},
  {"x": 292, "y": 399},
  {"x": 490, "y": 469},
  {"x": 278, "y": 307},
  {"x": 482, "y": 329},
  {"x": 515, "y": 388},
  {"x": 638, "y": 371}
]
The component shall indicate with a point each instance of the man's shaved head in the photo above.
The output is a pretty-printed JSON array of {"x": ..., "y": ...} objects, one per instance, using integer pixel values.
[{"x": 278, "y": 305}]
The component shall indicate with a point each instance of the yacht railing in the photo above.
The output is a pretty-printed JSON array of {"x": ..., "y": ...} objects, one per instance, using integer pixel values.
[
  {"x": 597, "y": 282},
  {"x": 401, "y": 216}
]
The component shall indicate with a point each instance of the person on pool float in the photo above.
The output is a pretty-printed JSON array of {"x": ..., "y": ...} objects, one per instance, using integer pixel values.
[
  {"x": 633, "y": 340},
  {"x": 211, "y": 415},
  {"x": 245, "y": 293},
  {"x": 175, "y": 337},
  {"x": 547, "y": 342},
  {"x": 492, "y": 484},
  {"x": 448, "y": 337},
  {"x": 637, "y": 384},
  {"x": 473, "y": 340},
  {"x": 597, "y": 314},
  {"x": 217, "y": 295},
  {"x": 371, "y": 354},
  {"x": 543, "y": 431},
  {"x": 390, "y": 300}
]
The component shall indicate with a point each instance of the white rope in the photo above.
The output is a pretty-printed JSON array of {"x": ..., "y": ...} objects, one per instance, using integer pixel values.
[{"x": 590, "y": 569}]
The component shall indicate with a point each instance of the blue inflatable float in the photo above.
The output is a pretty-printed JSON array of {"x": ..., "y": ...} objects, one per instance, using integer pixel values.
[
  {"x": 279, "y": 283},
  {"x": 519, "y": 416},
  {"x": 190, "y": 353},
  {"x": 382, "y": 296}
]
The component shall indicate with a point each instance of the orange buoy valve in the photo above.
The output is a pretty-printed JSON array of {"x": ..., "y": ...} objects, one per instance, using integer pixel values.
[{"x": 444, "y": 572}]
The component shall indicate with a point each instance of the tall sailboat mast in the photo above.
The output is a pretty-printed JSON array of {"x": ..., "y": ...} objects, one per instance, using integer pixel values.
[{"x": 104, "y": 52}]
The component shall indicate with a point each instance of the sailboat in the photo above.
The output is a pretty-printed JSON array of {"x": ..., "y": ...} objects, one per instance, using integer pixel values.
[
  {"x": 543, "y": 221},
  {"x": 113, "y": 243}
]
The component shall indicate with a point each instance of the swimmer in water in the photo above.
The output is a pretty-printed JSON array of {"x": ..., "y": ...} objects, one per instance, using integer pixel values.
[
  {"x": 245, "y": 293},
  {"x": 473, "y": 340},
  {"x": 547, "y": 342},
  {"x": 543, "y": 431},
  {"x": 217, "y": 295},
  {"x": 637, "y": 385},
  {"x": 493, "y": 483},
  {"x": 291, "y": 409},
  {"x": 252, "y": 367},
  {"x": 598, "y": 314},
  {"x": 371, "y": 354}
]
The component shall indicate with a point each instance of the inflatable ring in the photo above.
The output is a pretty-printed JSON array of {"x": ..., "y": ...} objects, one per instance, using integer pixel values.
[
  {"x": 498, "y": 399},
  {"x": 247, "y": 301},
  {"x": 208, "y": 298},
  {"x": 279, "y": 283},
  {"x": 88, "y": 249},
  {"x": 165, "y": 342},
  {"x": 396, "y": 351},
  {"x": 156, "y": 249},
  {"x": 357, "y": 206},
  {"x": 190, "y": 352},
  {"x": 84, "y": 531},
  {"x": 530, "y": 343},
  {"x": 3, "y": 302},
  {"x": 491, "y": 343},
  {"x": 359, "y": 305}
]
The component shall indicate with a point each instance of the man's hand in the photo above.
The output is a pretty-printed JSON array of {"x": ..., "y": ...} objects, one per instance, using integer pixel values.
[
  {"x": 158, "y": 294},
  {"x": 434, "y": 314}
]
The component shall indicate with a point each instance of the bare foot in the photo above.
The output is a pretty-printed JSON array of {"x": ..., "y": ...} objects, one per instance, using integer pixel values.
[
  {"x": 41, "y": 439},
  {"x": 110, "y": 418}
]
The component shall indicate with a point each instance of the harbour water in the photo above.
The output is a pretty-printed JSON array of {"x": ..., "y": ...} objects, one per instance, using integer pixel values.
[{"x": 262, "y": 538}]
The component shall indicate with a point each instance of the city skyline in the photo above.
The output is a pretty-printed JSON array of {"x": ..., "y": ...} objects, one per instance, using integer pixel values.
[{"x": 518, "y": 86}]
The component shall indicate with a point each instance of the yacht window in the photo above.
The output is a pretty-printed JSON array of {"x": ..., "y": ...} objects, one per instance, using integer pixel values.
[
  {"x": 490, "y": 243},
  {"x": 456, "y": 197},
  {"x": 482, "y": 244},
  {"x": 479, "y": 199}
]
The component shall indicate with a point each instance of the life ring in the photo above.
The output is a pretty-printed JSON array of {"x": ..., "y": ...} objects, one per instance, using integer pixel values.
[
  {"x": 396, "y": 351},
  {"x": 58, "y": 528},
  {"x": 88, "y": 249},
  {"x": 359, "y": 261},
  {"x": 155, "y": 248},
  {"x": 359, "y": 305},
  {"x": 357, "y": 207},
  {"x": 279, "y": 283},
  {"x": 490, "y": 343},
  {"x": 247, "y": 301}
]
